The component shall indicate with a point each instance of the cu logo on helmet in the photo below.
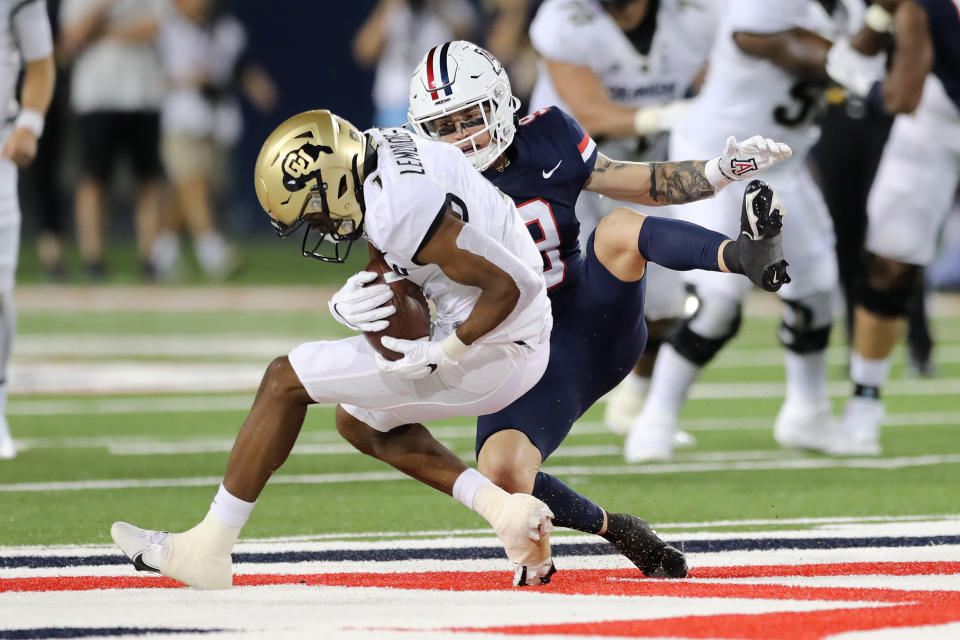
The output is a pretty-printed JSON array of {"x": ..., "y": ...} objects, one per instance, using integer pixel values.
[{"x": 302, "y": 164}]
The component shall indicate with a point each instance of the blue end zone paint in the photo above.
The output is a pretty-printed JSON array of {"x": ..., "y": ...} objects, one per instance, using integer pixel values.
[
  {"x": 92, "y": 632},
  {"x": 481, "y": 553}
]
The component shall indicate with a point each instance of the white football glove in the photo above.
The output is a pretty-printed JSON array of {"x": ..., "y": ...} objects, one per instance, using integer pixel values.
[
  {"x": 649, "y": 120},
  {"x": 851, "y": 69},
  {"x": 421, "y": 357},
  {"x": 743, "y": 160},
  {"x": 358, "y": 307}
]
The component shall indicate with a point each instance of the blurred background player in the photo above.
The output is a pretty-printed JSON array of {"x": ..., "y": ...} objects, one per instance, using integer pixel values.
[
  {"x": 409, "y": 198},
  {"x": 912, "y": 195},
  {"x": 27, "y": 39},
  {"x": 767, "y": 73},
  {"x": 203, "y": 50},
  {"x": 116, "y": 91},
  {"x": 854, "y": 131},
  {"x": 394, "y": 37},
  {"x": 622, "y": 69},
  {"x": 461, "y": 94}
]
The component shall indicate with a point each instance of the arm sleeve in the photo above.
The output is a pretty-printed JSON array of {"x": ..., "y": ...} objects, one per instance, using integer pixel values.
[
  {"x": 32, "y": 28},
  {"x": 768, "y": 16}
]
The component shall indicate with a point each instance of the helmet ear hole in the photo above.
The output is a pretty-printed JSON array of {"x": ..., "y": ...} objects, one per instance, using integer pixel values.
[{"x": 343, "y": 186}]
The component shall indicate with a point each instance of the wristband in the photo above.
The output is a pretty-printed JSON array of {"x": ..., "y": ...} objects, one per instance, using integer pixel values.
[
  {"x": 878, "y": 19},
  {"x": 646, "y": 120},
  {"x": 30, "y": 120},
  {"x": 715, "y": 175},
  {"x": 453, "y": 347}
]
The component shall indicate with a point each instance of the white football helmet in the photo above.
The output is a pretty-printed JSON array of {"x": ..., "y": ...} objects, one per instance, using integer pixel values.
[{"x": 456, "y": 76}]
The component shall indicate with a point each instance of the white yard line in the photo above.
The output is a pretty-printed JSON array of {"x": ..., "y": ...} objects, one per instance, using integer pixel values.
[
  {"x": 33, "y": 347},
  {"x": 650, "y": 469},
  {"x": 183, "y": 377}
]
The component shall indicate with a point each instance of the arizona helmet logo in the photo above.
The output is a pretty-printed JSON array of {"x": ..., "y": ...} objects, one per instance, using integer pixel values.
[{"x": 741, "y": 167}]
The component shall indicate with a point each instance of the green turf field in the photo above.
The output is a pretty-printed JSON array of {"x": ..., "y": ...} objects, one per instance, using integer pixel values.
[{"x": 156, "y": 459}]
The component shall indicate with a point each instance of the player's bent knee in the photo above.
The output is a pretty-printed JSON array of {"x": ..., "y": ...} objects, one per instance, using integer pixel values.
[
  {"x": 886, "y": 286},
  {"x": 280, "y": 384},
  {"x": 720, "y": 318},
  {"x": 615, "y": 244},
  {"x": 806, "y": 323}
]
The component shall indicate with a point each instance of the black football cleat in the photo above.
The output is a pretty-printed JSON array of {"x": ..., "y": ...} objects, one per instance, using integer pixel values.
[
  {"x": 761, "y": 222},
  {"x": 639, "y": 543}
]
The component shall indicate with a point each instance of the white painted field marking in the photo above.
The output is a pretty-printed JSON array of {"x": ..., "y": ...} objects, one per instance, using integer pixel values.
[
  {"x": 179, "y": 377},
  {"x": 651, "y": 469}
]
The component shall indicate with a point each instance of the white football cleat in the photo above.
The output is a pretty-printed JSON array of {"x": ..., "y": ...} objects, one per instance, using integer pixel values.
[
  {"x": 8, "y": 450},
  {"x": 804, "y": 426},
  {"x": 625, "y": 403},
  {"x": 683, "y": 439},
  {"x": 144, "y": 547},
  {"x": 199, "y": 557},
  {"x": 859, "y": 432},
  {"x": 650, "y": 438}
]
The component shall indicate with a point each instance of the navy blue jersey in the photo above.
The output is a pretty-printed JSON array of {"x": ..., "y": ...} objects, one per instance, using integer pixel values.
[
  {"x": 944, "y": 20},
  {"x": 550, "y": 160},
  {"x": 598, "y": 326}
]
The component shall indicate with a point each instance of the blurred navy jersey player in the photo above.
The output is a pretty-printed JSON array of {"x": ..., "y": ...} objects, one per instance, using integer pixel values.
[{"x": 460, "y": 94}]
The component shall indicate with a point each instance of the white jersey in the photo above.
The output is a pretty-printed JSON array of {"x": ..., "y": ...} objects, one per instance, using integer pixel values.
[
  {"x": 188, "y": 49},
  {"x": 414, "y": 182},
  {"x": 24, "y": 36},
  {"x": 581, "y": 32},
  {"x": 112, "y": 74},
  {"x": 745, "y": 95}
]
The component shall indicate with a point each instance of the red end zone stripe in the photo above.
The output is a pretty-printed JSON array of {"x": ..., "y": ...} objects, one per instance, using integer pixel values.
[
  {"x": 592, "y": 581},
  {"x": 805, "y": 625}
]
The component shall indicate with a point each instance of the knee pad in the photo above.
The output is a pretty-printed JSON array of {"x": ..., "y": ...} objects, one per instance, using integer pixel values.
[
  {"x": 886, "y": 286},
  {"x": 719, "y": 320},
  {"x": 806, "y": 323}
]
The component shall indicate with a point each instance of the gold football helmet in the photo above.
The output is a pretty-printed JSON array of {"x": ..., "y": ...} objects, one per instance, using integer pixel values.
[{"x": 310, "y": 170}]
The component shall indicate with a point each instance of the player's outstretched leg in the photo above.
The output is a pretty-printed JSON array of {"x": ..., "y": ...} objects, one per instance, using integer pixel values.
[
  {"x": 636, "y": 540},
  {"x": 199, "y": 557}
]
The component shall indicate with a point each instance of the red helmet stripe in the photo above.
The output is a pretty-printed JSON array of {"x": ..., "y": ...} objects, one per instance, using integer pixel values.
[{"x": 433, "y": 94}]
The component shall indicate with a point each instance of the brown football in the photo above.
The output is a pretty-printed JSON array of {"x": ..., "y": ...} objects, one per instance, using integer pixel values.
[{"x": 412, "y": 318}]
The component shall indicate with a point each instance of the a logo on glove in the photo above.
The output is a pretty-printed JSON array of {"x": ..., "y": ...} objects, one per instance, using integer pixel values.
[{"x": 741, "y": 167}]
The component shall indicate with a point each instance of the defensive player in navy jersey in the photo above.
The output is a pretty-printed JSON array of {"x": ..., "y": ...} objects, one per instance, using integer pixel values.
[{"x": 460, "y": 94}]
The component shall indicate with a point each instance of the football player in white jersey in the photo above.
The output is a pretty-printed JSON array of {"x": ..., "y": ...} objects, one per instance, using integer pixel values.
[
  {"x": 911, "y": 196},
  {"x": 26, "y": 39},
  {"x": 768, "y": 69},
  {"x": 440, "y": 225},
  {"x": 622, "y": 69}
]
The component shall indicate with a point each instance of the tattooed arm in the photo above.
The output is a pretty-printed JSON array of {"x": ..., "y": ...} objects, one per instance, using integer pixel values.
[{"x": 652, "y": 184}]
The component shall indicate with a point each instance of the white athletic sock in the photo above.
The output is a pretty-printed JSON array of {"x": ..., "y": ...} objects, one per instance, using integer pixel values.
[
  {"x": 673, "y": 376},
  {"x": 165, "y": 252},
  {"x": 869, "y": 373},
  {"x": 466, "y": 486},
  {"x": 635, "y": 385},
  {"x": 212, "y": 252},
  {"x": 806, "y": 377},
  {"x": 229, "y": 509}
]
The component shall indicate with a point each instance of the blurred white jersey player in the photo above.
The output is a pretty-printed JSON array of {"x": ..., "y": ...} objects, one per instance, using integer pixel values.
[
  {"x": 25, "y": 37},
  {"x": 623, "y": 69},
  {"x": 746, "y": 92},
  {"x": 647, "y": 68}
]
